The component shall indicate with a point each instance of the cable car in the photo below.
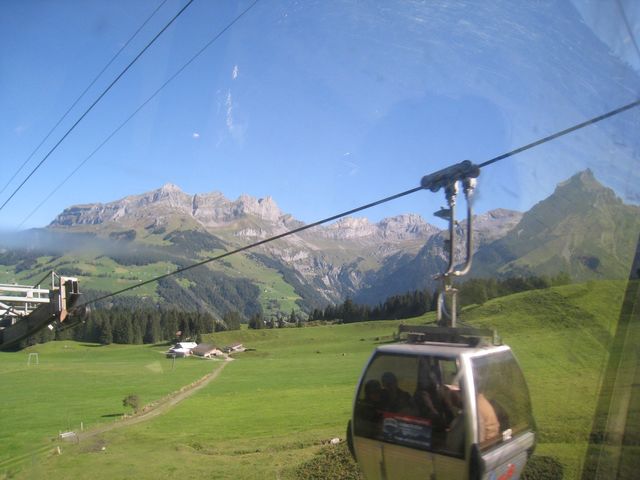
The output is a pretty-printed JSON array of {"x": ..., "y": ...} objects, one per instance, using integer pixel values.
[
  {"x": 449, "y": 402},
  {"x": 442, "y": 410}
]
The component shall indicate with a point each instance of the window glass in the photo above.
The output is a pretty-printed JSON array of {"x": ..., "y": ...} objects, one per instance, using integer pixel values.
[
  {"x": 502, "y": 398},
  {"x": 412, "y": 401}
]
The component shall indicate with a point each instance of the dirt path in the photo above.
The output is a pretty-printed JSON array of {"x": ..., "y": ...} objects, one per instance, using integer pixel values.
[{"x": 158, "y": 408}]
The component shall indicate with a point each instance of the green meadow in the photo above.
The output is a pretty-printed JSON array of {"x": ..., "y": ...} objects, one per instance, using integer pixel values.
[
  {"x": 273, "y": 407},
  {"x": 76, "y": 385}
]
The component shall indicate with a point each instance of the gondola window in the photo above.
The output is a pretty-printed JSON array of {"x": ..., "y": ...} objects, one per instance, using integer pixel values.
[
  {"x": 413, "y": 401},
  {"x": 502, "y": 399}
]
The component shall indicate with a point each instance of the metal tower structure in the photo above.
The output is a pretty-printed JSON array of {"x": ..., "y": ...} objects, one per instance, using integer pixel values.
[{"x": 24, "y": 310}]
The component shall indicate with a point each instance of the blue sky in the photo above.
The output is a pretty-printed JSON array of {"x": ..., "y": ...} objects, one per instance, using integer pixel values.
[{"x": 323, "y": 106}]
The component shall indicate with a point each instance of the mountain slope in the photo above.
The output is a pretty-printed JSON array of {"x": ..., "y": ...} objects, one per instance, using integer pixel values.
[{"x": 582, "y": 229}]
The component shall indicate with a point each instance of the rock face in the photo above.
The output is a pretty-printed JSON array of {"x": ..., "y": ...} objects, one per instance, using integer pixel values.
[
  {"x": 209, "y": 209},
  {"x": 394, "y": 229},
  {"x": 333, "y": 259},
  {"x": 213, "y": 209},
  {"x": 416, "y": 272}
]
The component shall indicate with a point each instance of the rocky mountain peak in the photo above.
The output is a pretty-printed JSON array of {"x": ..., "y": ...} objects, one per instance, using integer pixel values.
[
  {"x": 349, "y": 228},
  {"x": 170, "y": 187},
  {"x": 406, "y": 226},
  {"x": 401, "y": 227},
  {"x": 405, "y": 220},
  {"x": 264, "y": 208},
  {"x": 169, "y": 194},
  {"x": 583, "y": 188}
]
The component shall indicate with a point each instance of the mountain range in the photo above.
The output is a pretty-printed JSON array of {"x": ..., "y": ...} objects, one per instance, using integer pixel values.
[{"x": 582, "y": 229}]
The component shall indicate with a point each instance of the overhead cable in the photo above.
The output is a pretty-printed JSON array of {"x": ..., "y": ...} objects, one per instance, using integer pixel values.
[
  {"x": 628, "y": 25},
  {"x": 82, "y": 95},
  {"x": 561, "y": 133},
  {"x": 363, "y": 207},
  {"x": 96, "y": 102},
  {"x": 137, "y": 110}
]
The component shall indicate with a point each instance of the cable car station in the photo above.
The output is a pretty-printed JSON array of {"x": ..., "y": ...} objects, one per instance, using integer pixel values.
[{"x": 24, "y": 310}]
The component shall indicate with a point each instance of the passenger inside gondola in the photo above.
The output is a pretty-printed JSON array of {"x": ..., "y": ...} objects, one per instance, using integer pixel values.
[
  {"x": 429, "y": 397},
  {"x": 488, "y": 424},
  {"x": 455, "y": 432},
  {"x": 369, "y": 410},
  {"x": 394, "y": 399}
]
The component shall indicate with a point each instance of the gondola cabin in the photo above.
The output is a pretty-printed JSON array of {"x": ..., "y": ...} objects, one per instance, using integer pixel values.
[{"x": 442, "y": 410}]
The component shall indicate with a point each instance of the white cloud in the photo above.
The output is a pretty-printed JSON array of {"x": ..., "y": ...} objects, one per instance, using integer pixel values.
[
  {"x": 195, "y": 135},
  {"x": 229, "y": 104},
  {"x": 235, "y": 128},
  {"x": 235, "y": 72}
]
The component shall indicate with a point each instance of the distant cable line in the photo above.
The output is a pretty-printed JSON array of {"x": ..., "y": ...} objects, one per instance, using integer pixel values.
[
  {"x": 628, "y": 25},
  {"x": 96, "y": 101},
  {"x": 142, "y": 105},
  {"x": 561, "y": 133},
  {"x": 82, "y": 95},
  {"x": 363, "y": 207}
]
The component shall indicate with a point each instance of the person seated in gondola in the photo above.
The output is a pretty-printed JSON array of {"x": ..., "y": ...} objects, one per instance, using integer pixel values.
[
  {"x": 369, "y": 410},
  {"x": 455, "y": 431},
  {"x": 430, "y": 404},
  {"x": 394, "y": 399},
  {"x": 488, "y": 424}
]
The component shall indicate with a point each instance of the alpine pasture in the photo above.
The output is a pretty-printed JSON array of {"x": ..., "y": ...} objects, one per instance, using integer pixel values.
[{"x": 273, "y": 407}]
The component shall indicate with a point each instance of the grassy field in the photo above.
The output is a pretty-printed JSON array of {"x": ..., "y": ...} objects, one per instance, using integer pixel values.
[
  {"x": 79, "y": 383},
  {"x": 272, "y": 408}
]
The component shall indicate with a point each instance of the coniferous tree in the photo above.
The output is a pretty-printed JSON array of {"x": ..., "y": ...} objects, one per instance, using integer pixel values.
[
  {"x": 231, "y": 320},
  {"x": 152, "y": 331},
  {"x": 105, "y": 332},
  {"x": 257, "y": 321},
  {"x": 122, "y": 329}
]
